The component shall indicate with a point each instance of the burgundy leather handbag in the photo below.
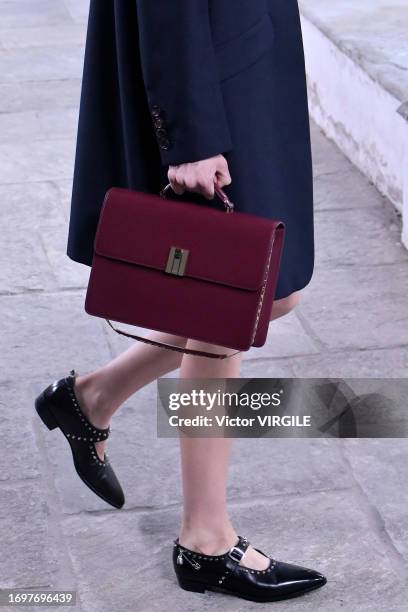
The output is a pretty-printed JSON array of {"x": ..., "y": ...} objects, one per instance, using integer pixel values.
[{"x": 196, "y": 271}]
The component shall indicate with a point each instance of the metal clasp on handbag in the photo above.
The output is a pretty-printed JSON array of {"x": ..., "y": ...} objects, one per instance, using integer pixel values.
[{"x": 177, "y": 261}]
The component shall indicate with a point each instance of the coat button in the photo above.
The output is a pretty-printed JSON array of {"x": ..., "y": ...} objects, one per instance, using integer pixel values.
[
  {"x": 158, "y": 122},
  {"x": 156, "y": 111}
]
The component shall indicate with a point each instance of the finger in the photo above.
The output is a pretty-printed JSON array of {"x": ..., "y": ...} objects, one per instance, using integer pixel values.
[
  {"x": 191, "y": 182},
  {"x": 171, "y": 176},
  {"x": 223, "y": 177},
  {"x": 207, "y": 190},
  {"x": 179, "y": 181},
  {"x": 177, "y": 189},
  {"x": 171, "y": 173}
]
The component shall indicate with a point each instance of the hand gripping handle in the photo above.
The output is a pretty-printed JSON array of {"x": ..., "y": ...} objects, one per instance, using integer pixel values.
[{"x": 229, "y": 206}]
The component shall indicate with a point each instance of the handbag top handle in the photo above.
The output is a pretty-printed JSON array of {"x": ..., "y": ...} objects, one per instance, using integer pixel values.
[{"x": 229, "y": 206}]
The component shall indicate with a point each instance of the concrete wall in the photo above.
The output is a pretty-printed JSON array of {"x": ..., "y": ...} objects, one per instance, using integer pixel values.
[{"x": 356, "y": 111}]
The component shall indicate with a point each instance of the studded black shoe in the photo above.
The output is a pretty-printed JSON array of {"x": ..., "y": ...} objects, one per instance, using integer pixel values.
[
  {"x": 198, "y": 572},
  {"x": 58, "y": 406}
]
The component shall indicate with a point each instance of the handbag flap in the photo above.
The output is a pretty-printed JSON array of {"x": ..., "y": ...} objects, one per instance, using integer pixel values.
[{"x": 227, "y": 248}]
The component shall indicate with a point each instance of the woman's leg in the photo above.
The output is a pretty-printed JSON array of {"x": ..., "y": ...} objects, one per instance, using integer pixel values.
[
  {"x": 102, "y": 392},
  {"x": 206, "y": 526}
]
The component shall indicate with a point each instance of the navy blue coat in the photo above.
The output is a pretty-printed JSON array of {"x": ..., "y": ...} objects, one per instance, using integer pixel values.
[{"x": 173, "y": 81}]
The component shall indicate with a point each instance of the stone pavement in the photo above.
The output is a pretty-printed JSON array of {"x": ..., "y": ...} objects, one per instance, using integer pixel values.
[{"x": 339, "y": 506}]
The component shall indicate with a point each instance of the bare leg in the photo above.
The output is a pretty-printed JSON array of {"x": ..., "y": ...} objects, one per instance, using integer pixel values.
[
  {"x": 102, "y": 392},
  {"x": 205, "y": 461},
  {"x": 206, "y": 526}
]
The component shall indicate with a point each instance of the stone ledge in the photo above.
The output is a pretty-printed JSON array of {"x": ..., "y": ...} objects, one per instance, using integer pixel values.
[
  {"x": 372, "y": 34},
  {"x": 357, "y": 68},
  {"x": 403, "y": 110}
]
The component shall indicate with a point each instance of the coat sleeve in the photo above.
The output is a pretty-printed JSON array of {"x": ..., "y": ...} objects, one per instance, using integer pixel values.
[{"x": 181, "y": 79}]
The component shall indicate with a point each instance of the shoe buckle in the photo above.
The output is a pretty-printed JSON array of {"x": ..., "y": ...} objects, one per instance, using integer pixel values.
[{"x": 236, "y": 554}]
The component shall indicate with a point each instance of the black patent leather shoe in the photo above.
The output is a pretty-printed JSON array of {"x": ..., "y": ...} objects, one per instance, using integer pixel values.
[
  {"x": 58, "y": 406},
  {"x": 198, "y": 572}
]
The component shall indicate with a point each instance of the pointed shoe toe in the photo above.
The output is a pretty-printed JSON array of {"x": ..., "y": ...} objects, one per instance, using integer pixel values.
[
  {"x": 58, "y": 407},
  {"x": 198, "y": 572},
  {"x": 297, "y": 579},
  {"x": 318, "y": 579},
  {"x": 109, "y": 487},
  {"x": 98, "y": 474}
]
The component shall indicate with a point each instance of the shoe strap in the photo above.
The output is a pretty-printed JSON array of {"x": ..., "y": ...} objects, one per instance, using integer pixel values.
[
  {"x": 95, "y": 434},
  {"x": 237, "y": 552}
]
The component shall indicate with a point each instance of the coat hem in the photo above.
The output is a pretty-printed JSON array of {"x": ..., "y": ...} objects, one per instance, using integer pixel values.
[{"x": 80, "y": 260}]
